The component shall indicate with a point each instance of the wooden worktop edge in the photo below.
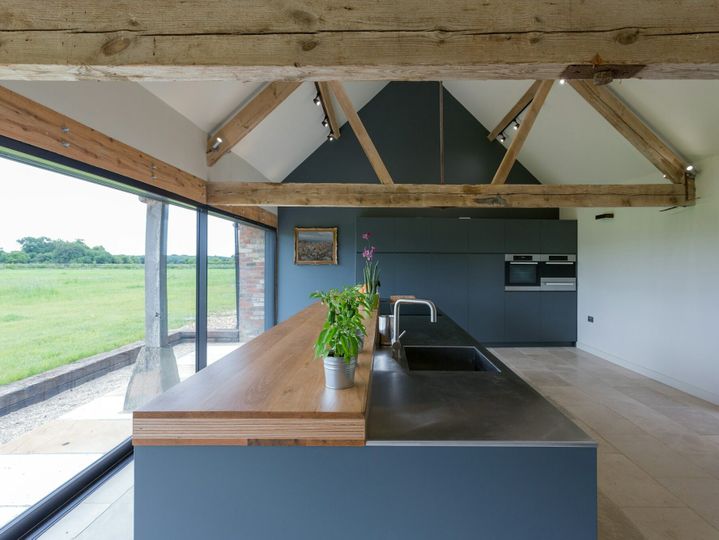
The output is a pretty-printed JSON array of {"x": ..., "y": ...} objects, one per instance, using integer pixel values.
[{"x": 262, "y": 428}]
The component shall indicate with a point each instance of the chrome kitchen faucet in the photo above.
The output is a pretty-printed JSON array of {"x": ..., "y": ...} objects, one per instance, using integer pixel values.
[{"x": 395, "y": 314}]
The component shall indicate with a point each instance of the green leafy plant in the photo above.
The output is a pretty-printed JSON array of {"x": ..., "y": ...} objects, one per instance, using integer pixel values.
[{"x": 342, "y": 333}]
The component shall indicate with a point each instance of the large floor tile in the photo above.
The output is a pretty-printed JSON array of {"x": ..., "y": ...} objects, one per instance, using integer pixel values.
[
  {"x": 75, "y": 521},
  {"x": 71, "y": 436},
  {"x": 8, "y": 513},
  {"x": 671, "y": 524},
  {"x": 115, "y": 523},
  {"x": 700, "y": 494},
  {"x": 612, "y": 523},
  {"x": 25, "y": 479},
  {"x": 628, "y": 485}
]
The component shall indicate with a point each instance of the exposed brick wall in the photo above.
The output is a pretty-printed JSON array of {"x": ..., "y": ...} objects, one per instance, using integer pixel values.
[{"x": 252, "y": 281}]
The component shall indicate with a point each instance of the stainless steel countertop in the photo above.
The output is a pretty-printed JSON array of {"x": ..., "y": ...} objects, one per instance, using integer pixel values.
[{"x": 459, "y": 408}]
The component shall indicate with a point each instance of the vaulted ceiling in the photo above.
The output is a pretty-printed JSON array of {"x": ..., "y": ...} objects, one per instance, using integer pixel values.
[{"x": 570, "y": 143}]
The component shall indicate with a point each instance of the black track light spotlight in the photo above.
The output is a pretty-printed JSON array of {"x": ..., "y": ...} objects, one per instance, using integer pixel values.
[
  {"x": 515, "y": 127},
  {"x": 330, "y": 137},
  {"x": 325, "y": 122},
  {"x": 317, "y": 100},
  {"x": 502, "y": 137}
]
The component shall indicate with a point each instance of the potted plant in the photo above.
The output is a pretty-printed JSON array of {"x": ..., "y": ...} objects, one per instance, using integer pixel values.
[
  {"x": 371, "y": 271},
  {"x": 340, "y": 339}
]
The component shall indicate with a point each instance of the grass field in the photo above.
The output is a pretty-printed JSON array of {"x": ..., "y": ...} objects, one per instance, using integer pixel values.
[{"x": 52, "y": 316}]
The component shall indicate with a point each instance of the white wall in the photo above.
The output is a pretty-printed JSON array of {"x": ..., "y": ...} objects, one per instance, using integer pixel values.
[{"x": 651, "y": 281}]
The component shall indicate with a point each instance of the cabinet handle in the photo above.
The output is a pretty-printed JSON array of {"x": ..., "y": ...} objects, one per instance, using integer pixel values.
[{"x": 559, "y": 283}]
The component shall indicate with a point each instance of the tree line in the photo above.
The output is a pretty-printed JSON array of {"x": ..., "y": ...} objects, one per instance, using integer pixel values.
[{"x": 43, "y": 250}]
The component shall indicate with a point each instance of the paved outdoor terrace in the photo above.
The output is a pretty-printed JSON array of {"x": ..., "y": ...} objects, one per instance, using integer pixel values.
[{"x": 38, "y": 461}]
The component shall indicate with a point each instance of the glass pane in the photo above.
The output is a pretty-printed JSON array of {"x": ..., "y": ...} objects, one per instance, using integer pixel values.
[
  {"x": 236, "y": 285},
  {"x": 90, "y": 329}
]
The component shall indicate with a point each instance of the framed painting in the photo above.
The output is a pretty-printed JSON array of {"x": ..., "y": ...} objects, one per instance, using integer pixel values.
[{"x": 315, "y": 245}]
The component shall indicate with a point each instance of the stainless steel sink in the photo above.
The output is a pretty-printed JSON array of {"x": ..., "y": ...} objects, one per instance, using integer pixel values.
[{"x": 438, "y": 358}]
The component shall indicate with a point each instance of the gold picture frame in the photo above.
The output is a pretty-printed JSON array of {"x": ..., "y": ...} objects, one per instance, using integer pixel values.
[{"x": 315, "y": 245}]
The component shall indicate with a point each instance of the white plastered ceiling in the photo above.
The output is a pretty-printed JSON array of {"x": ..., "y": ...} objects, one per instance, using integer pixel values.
[
  {"x": 281, "y": 141},
  {"x": 570, "y": 142}
]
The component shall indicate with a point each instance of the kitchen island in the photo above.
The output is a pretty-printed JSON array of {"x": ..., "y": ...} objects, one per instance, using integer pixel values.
[{"x": 254, "y": 446}]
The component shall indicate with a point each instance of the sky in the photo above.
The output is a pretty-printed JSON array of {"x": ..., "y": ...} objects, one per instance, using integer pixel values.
[{"x": 46, "y": 203}]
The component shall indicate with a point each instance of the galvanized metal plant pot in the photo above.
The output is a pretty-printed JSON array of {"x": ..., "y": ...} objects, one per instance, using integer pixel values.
[{"x": 338, "y": 373}]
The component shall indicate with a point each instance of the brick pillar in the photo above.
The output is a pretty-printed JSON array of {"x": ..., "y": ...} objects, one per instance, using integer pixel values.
[{"x": 252, "y": 281}]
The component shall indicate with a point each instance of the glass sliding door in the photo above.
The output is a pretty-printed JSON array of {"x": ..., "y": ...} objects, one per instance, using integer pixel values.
[
  {"x": 236, "y": 289},
  {"x": 97, "y": 317}
]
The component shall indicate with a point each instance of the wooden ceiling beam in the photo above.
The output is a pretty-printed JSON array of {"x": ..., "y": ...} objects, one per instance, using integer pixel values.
[
  {"x": 510, "y": 156},
  {"x": 401, "y": 40},
  {"x": 641, "y": 136},
  {"x": 362, "y": 136},
  {"x": 29, "y": 122},
  {"x": 447, "y": 195},
  {"x": 241, "y": 124},
  {"x": 329, "y": 108},
  {"x": 518, "y": 107}
]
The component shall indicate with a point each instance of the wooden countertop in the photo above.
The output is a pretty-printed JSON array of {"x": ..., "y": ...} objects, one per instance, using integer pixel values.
[{"x": 270, "y": 391}]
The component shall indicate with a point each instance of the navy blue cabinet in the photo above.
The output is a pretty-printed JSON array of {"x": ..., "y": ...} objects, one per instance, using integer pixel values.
[
  {"x": 522, "y": 316},
  {"x": 448, "y": 286},
  {"x": 559, "y": 316},
  {"x": 522, "y": 236},
  {"x": 485, "y": 235},
  {"x": 558, "y": 236},
  {"x": 459, "y": 264},
  {"x": 485, "y": 294}
]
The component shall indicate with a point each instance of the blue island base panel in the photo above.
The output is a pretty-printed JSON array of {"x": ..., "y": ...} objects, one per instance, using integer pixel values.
[{"x": 389, "y": 492}]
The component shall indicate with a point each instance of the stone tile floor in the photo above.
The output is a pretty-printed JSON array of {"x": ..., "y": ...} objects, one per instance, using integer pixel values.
[
  {"x": 658, "y": 459},
  {"x": 35, "y": 463}
]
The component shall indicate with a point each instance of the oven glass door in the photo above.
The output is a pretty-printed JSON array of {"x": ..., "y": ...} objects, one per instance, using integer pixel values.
[{"x": 521, "y": 274}]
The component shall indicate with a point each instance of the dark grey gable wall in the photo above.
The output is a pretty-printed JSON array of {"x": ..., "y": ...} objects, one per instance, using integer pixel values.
[{"x": 403, "y": 122}]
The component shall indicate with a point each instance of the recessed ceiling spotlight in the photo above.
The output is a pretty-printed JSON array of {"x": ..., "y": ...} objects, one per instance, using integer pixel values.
[
  {"x": 317, "y": 100},
  {"x": 562, "y": 81},
  {"x": 690, "y": 168}
]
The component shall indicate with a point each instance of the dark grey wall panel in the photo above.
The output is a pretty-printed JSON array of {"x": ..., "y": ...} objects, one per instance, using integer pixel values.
[
  {"x": 522, "y": 236},
  {"x": 499, "y": 493},
  {"x": 486, "y": 297},
  {"x": 559, "y": 236},
  {"x": 296, "y": 282},
  {"x": 403, "y": 121}
]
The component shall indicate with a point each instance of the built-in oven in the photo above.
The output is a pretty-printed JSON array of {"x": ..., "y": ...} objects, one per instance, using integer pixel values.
[
  {"x": 558, "y": 272},
  {"x": 521, "y": 272}
]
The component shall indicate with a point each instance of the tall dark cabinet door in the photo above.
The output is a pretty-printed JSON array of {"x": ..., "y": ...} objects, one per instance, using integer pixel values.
[
  {"x": 485, "y": 235},
  {"x": 448, "y": 286},
  {"x": 522, "y": 235},
  {"x": 559, "y": 316},
  {"x": 559, "y": 236},
  {"x": 486, "y": 297},
  {"x": 522, "y": 320}
]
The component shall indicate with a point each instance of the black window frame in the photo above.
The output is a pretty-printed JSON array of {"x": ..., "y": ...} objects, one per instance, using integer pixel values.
[{"x": 44, "y": 513}]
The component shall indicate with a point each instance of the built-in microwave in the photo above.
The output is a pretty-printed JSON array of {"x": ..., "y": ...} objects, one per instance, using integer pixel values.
[
  {"x": 558, "y": 272},
  {"x": 521, "y": 272}
]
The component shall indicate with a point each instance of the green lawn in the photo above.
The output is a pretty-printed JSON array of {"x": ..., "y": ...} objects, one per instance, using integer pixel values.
[{"x": 53, "y": 316}]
